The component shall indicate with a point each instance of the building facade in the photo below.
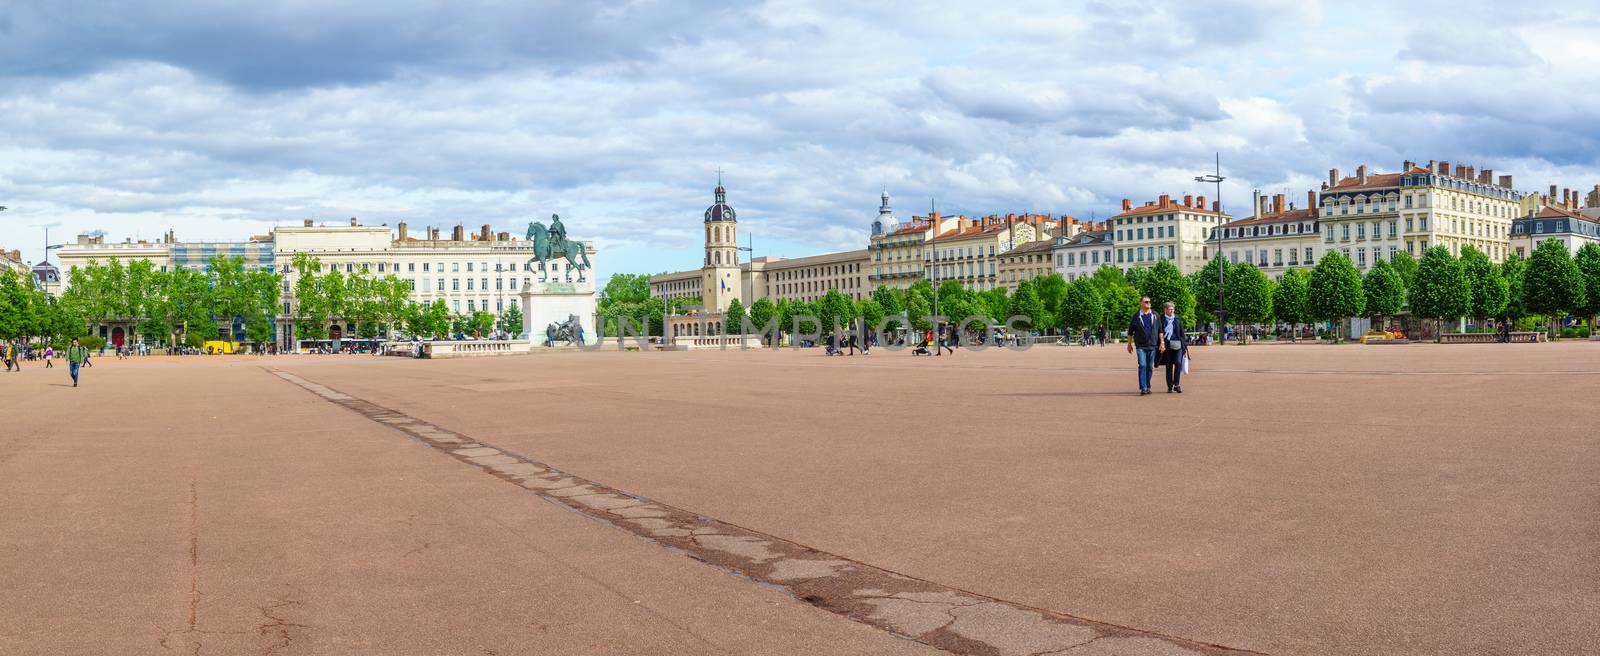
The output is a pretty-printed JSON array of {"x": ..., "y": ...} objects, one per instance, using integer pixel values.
[
  {"x": 900, "y": 252},
  {"x": 482, "y": 271},
  {"x": 1081, "y": 255},
  {"x": 969, "y": 252},
  {"x": 1569, "y": 226},
  {"x": 1164, "y": 229},
  {"x": 12, "y": 261},
  {"x": 1278, "y": 237},
  {"x": 1372, "y": 216},
  {"x": 1029, "y": 260}
]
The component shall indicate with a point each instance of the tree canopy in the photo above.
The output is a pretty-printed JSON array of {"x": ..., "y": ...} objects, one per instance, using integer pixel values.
[{"x": 1335, "y": 289}]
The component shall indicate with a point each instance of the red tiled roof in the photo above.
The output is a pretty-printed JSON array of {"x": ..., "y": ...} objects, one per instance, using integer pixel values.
[
  {"x": 1281, "y": 217},
  {"x": 1553, "y": 212},
  {"x": 1158, "y": 208},
  {"x": 1374, "y": 181},
  {"x": 914, "y": 226}
]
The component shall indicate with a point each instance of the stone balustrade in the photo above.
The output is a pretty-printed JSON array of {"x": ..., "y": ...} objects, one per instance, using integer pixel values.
[{"x": 1490, "y": 338}]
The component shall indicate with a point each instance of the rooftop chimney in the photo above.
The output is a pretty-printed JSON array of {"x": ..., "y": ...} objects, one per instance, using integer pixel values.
[
  {"x": 1505, "y": 181},
  {"x": 1594, "y": 197},
  {"x": 402, "y": 230},
  {"x": 1461, "y": 171},
  {"x": 353, "y": 222},
  {"x": 1188, "y": 200},
  {"x": 458, "y": 233},
  {"x": 308, "y": 223},
  {"x": 1406, "y": 168},
  {"x": 1166, "y": 200},
  {"x": 1361, "y": 174},
  {"x": 1471, "y": 173},
  {"x": 1216, "y": 206},
  {"x": 1486, "y": 176},
  {"x": 1552, "y": 197},
  {"x": 1444, "y": 168},
  {"x": 1277, "y": 204},
  {"x": 484, "y": 233},
  {"x": 1333, "y": 177},
  {"x": 1200, "y": 202},
  {"x": 1311, "y": 199},
  {"x": 1127, "y": 204}
]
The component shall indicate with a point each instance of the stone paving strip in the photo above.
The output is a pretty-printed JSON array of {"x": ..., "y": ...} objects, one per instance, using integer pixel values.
[{"x": 954, "y": 620}]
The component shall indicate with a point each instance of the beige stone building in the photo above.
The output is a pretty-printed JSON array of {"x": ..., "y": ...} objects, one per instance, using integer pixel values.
[
  {"x": 1029, "y": 260},
  {"x": 1080, "y": 255},
  {"x": 1372, "y": 216},
  {"x": 1279, "y": 236},
  {"x": 1164, "y": 229},
  {"x": 12, "y": 261},
  {"x": 470, "y": 272},
  {"x": 970, "y": 252}
]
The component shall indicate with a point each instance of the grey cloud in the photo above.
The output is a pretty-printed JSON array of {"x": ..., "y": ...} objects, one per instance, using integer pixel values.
[{"x": 267, "y": 46}]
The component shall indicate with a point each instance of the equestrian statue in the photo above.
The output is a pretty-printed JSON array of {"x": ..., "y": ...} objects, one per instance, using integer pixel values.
[{"x": 553, "y": 243}]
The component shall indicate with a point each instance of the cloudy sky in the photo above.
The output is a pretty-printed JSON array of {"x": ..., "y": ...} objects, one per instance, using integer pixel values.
[{"x": 133, "y": 117}]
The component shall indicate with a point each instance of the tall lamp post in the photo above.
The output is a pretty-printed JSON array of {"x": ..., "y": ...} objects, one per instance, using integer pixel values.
[{"x": 1216, "y": 232}]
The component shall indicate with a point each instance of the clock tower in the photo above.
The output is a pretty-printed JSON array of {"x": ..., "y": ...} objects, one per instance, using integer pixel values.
[{"x": 721, "y": 281}]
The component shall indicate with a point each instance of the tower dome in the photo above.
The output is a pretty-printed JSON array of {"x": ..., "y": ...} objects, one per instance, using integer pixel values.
[
  {"x": 720, "y": 210},
  {"x": 885, "y": 216}
]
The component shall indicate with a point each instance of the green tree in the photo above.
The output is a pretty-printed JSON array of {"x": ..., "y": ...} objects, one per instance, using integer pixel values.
[
  {"x": 1489, "y": 290},
  {"x": 511, "y": 320},
  {"x": 891, "y": 299},
  {"x": 1335, "y": 290},
  {"x": 995, "y": 304},
  {"x": 1405, "y": 266},
  {"x": 312, "y": 310},
  {"x": 1442, "y": 289},
  {"x": 1291, "y": 300},
  {"x": 1026, "y": 303},
  {"x": 869, "y": 310},
  {"x": 918, "y": 308},
  {"x": 1165, "y": 284},
  {"x": 1552, "y": 284},
  {"x": 1052, "y": 289},
  {"x": 625, "y": 288},
  {"x": 1385, "y": 291},
  {"x": 1512, "y": 269},
  {"x": 1204, "y": 285},
  {"x": 1136, "y": 276},
  {"x": 1081, "y": 307},
  {"x": 1248, "y": 298},
  {"x": 733, "y": 319},
  {"x": 833, "y": 309},
  {"x": 439, "y": 320},
  {"x": 762, "y": 311},
  {"x": 1119, "y": 299},
  {"x": 1588, "y": 261}
]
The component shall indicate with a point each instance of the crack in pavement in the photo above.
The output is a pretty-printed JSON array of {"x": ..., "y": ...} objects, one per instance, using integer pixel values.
[{"x": 948, "y": 618}]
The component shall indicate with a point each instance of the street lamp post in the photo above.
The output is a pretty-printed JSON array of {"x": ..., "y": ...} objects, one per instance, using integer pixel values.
[{"x": 1216, "y": 232}]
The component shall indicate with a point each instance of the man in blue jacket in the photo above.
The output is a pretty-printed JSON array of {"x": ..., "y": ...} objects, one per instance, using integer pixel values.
[{"x": 1143, "y": 337}]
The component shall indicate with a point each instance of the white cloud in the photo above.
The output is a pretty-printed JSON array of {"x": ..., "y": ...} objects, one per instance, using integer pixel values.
[{"x": 220, "y": 123}]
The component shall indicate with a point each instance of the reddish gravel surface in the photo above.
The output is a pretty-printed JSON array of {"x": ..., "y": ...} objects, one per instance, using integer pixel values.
[{"x": 1295, "y": 500}]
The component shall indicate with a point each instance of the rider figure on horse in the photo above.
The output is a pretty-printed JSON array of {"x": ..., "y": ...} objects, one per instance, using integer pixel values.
[{"x": 558, "y": 232}]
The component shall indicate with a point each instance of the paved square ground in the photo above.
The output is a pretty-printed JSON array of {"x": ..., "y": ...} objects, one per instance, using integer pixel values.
[{"x": 1297, "y": 499}]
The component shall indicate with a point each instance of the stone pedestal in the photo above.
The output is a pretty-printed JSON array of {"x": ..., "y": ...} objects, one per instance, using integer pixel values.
[{"x": 552, "y": 301}]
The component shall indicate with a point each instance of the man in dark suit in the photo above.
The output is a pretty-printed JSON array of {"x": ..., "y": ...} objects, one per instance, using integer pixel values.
[
  {"x": 1144, "y": 337},
  {"x": 1172, "y": 347}
]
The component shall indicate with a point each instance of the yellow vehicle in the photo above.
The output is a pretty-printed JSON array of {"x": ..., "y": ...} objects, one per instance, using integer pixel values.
[{"x": 219, "y": 346}]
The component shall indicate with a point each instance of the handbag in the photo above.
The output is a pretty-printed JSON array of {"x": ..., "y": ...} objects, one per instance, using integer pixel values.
[
  {"x": 1174, "y": 344},
  {"x": 1186, "y": 364}
]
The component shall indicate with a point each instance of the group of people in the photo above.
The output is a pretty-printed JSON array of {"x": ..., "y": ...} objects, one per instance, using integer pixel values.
[
  {"x": 1159, "y": 339},
  {"x": 77, "y": 356}
]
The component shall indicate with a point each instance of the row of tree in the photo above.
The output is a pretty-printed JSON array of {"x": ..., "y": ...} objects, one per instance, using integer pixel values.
[
  {"x": 230, "y": 301},
  {"x": 1440, "y": 287}
]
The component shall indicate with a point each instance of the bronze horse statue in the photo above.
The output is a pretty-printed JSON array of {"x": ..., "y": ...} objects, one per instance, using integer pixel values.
[{"x": 550, "y": 244}]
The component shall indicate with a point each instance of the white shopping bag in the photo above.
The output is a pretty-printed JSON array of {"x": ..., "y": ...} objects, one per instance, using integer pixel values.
[{"x": 1186, "y": 363}]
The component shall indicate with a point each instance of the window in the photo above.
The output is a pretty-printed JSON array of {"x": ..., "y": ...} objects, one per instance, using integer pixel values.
[
  {"x": 471, "y": 306},
  {"x": 1361, "y": 231},
  {"x": 1309, "y": 259},
  {"x": 455, "y": 267},
  {"x": 1392, "y": 252},
  {"x": 1344, "y": 232},
  {"x": 485, "y": 286},
  {"x": 441, "y": 284},
  {"x": 411, "y": 267},
  {"x": 455, "y": 284},
  {"x": 469, "y": 270}
]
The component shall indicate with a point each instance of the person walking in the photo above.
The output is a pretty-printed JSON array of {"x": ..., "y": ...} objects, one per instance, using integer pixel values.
[
  {"x": 49, "y": 354},
  {"x": 76, "y": 356},
  {"x": 13, "y": 356},
  {"x": 1143, "y": 338},
  {"x": 1173, "y": 347}
]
